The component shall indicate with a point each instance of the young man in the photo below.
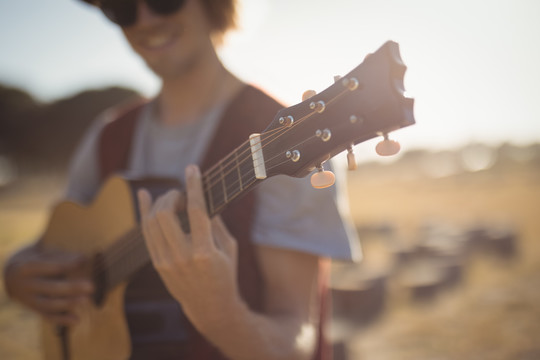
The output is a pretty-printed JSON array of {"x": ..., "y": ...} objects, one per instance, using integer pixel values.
[{"x": 240, "y": 286}]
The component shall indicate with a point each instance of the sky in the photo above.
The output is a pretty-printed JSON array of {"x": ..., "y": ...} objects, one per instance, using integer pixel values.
[{"x": 473, "y": 65}]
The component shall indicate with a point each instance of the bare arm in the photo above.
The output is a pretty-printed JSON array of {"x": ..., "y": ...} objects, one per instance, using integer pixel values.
[
  {"x": 200, "y": 272},
  {"x": 288, "y": 327}
]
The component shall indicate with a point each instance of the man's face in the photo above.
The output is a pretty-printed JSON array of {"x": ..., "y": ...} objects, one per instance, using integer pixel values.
[{"x": 170, "y": 44}]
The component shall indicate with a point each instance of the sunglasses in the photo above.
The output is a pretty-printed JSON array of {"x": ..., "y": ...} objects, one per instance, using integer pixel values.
[{"x": 124, "y": 12}]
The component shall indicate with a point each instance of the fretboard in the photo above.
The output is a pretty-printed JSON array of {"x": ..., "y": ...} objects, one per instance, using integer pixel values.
[
  {"x": 229, "y": 179},
  {"x": 224, "y": 182}
]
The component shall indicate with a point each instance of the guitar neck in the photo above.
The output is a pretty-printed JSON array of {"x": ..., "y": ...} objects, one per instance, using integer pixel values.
[
  {"x": 229, "y": 179},
  {"x": 366, "y": 102},
  {"x": 224, "y": 182}
]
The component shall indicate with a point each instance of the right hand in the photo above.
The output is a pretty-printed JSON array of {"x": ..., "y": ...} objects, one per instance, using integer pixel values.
[{"x": 44, "y": 282}]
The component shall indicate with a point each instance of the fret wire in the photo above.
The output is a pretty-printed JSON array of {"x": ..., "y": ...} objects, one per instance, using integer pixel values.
[
  {"x": 219, "y": 186},
  {"x": 247, "y": 145},
  {"x": 272, "y": 136},
  {"x": 275, "y": 134},
  {"x": 223, "y": 183},
  {"x": 129, "y": 254},
  {"x": 248, "y": 175},
  {"x": 121, "y": 265},
  {"x": 213, "y": 172},
  {"x": 222, "y": 205},
  {"x": 238, "y": 170},
  {"x": 209, "y": 197},
  {"x": 235, "y": 189},
  {"x": 215, "y": 191}
]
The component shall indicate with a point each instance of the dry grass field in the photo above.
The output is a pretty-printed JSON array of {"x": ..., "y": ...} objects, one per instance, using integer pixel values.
[{"x": 492, "y": 313}]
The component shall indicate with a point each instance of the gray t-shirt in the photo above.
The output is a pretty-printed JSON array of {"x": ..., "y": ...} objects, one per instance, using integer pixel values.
[{"x": 290, "y": 213}]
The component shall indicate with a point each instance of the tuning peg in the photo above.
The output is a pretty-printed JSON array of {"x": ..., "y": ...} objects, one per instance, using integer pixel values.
[
  {"x": 307, "y": 94},
  {"x": 351, "y": 161},
  {"x": 322, "y": 178},
  {"x": 387, "y": 147}
]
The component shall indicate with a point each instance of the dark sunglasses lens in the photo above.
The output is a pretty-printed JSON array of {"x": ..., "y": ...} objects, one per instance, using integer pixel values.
[
  {"x": 165, "y": 7},
  {"x": 121, "y": 12}
]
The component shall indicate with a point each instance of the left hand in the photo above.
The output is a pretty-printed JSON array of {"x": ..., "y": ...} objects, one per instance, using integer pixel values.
[{"x": 199, "y": 269}]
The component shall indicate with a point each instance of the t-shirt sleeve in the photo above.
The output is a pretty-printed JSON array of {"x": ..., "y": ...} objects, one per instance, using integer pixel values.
[
  {"x": 292, "y": 214},
  {"x": 83, "y": 174}
]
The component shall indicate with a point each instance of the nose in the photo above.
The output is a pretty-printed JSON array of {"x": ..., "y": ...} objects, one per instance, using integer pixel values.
[{"x": 145, "y": 16}]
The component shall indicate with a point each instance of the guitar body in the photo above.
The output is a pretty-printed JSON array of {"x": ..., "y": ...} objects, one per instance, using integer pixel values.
[
  {"x": 367, "y": 102},
  {"x": 102, "y": 332}
]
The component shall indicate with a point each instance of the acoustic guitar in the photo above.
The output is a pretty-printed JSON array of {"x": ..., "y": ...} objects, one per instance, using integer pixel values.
[{"x": 368, "y": 102}]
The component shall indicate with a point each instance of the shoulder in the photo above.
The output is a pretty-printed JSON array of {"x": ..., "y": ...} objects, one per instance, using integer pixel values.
[
  {"x": 248, "y": 112},
  {"x": 254, "y": 105},
  {"x": 257, "y": 96},
  {"x": 114, "y": 141},
  {"x": 122, "y": 115}
]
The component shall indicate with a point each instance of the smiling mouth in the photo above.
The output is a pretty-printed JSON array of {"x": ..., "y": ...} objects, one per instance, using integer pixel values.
[{"x": 157, "y": 42}]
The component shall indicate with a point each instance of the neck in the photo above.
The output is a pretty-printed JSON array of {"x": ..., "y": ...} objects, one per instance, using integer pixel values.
[{"x": 203, "y": 86}]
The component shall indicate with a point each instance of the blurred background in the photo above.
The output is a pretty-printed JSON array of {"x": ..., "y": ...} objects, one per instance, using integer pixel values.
[{"x": 449, "y": 227}]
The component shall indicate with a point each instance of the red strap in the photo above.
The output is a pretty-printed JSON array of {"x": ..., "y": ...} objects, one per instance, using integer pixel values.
[{"x": 116, "y": 138}]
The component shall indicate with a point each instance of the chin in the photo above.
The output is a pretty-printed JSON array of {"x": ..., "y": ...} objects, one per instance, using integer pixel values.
[{"x": 167, "y": 71}]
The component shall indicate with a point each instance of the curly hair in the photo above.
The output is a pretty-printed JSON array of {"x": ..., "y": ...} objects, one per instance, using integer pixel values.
[{"x": 221, "y": 14}]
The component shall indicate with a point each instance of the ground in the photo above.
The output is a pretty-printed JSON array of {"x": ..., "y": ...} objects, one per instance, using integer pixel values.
[{"x": 492, "y": 313}]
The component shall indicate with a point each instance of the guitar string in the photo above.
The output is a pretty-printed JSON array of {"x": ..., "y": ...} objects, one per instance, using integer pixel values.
[
  {"x": 121, "y": 245},
  {"x": 216, "y": 180},
  {"x": 221, "y": 177},
  {"x": 131, "y": 241},
  {"x": 211, "y": 173},
  {"x": 270, "y": 160},
  {"x": 124, "y": 249},
  {"x": 283, "y": 130},
  {"x": 117, "y": 252},
  {"x": 136, "y": 249},
  {"x": 271, "y": 132},
  {"x": 143, "y": 254},
  {"x": 139, "y": 254},
  {"x": 236, "y": 190},
  {"x": 117, "y": 255},
  {"x": 344, "y": 91}
]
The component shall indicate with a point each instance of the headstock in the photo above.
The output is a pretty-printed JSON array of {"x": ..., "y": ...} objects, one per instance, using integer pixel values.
[{"x": 367, "y": 102}]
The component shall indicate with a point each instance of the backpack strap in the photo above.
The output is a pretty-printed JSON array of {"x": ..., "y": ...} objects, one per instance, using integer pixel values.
[{"x": 116, "y": 139}]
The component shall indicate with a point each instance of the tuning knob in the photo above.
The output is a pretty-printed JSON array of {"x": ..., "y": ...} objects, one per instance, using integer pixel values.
[
  {"x": 387, "y": 147},
  {"x": 351, "y": 160},
  {"x": 322, "y": 178},
  {"x": 307, "y": 94}
]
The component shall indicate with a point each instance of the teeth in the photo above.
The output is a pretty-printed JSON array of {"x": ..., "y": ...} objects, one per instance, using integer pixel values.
[{"x": 156, "y": 41}]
